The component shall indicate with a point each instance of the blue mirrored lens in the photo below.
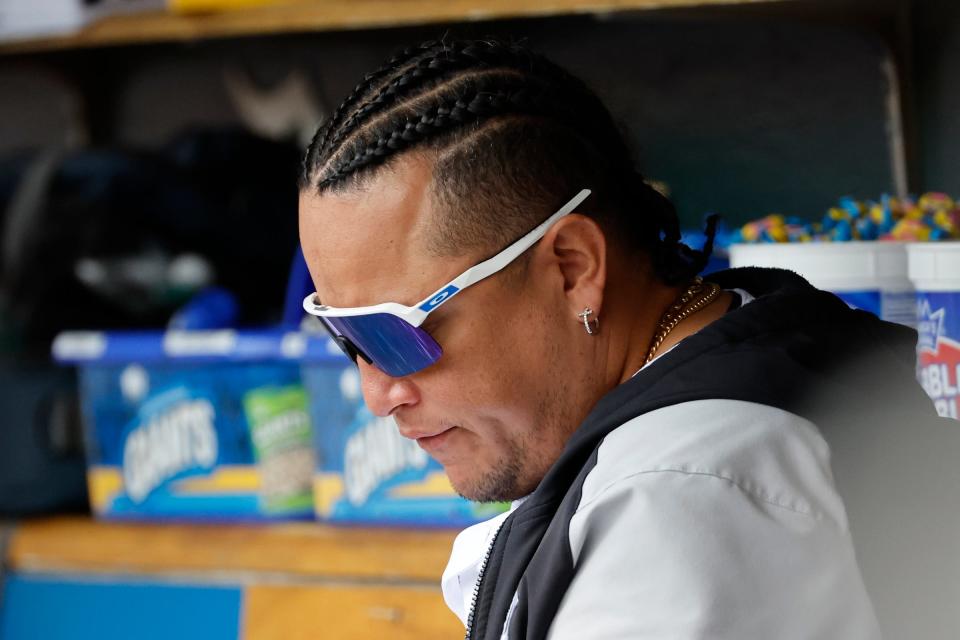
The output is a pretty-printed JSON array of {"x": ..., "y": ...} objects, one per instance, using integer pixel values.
[{"x": 395, "y": 347}]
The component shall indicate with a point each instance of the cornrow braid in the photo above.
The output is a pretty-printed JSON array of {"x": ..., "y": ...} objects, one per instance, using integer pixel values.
[
  {"x": 445, "y": 114},
  {"x": 410, "y": 79},
  {"x": 415, "y": 76},
  {"x": 513, "y": 136},
  {"x": 364, "y": 85}
]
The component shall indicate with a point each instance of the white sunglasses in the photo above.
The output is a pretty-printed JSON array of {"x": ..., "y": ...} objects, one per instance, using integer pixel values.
[{"x": 388, "y": 335}]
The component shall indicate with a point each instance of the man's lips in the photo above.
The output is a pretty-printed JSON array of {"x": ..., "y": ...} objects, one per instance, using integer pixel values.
[
  {"x": 413, "y": 432},
  {"x": 435, "y": 441},
  {"x": 427, "y": 439}
]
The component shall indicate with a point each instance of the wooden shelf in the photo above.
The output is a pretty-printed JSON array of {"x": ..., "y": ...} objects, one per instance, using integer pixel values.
[
  {"x": 299, "y": 550},
  {"x": 282, "y": 612},
  {"x": 293, "y": 581},
  {"x": 326, "y": 15}
]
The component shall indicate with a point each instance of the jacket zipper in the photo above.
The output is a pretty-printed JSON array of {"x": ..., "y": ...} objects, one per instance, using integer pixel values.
[{"x": 476, "y": 587}]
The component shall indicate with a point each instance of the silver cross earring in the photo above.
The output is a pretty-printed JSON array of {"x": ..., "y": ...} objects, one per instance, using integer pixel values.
[{"x": 585, "y": 316}]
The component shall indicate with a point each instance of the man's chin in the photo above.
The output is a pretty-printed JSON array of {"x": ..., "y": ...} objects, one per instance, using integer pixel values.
[
  {"x": 465, "y": 486},
  {"x": 496, "y": 485}
]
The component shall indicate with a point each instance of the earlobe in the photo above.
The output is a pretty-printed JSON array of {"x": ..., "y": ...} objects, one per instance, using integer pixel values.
[{"x": 579, "y": 247}]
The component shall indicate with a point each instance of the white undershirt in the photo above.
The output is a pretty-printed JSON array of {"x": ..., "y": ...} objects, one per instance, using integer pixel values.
[{"x": 463, "y": 569}]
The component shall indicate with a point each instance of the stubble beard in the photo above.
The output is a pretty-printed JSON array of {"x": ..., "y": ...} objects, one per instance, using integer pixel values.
[
  {"x": 501, "y": 482},
  {"x": 522, "y": 466}
]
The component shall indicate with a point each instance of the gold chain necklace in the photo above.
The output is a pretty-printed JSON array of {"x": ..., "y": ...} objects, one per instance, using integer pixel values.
[{"x": 696, "y": 296}]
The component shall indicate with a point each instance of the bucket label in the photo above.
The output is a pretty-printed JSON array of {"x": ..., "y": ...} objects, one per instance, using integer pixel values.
[
  {"x": 899, "y": 307},
  {"x": 938, "y": 349}
]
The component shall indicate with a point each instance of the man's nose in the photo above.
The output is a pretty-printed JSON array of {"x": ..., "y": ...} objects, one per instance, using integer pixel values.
[{"x": 385, "y": 394}]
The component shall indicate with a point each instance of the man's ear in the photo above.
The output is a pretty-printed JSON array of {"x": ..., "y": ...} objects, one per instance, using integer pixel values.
[{"x": 578, "y": 247}]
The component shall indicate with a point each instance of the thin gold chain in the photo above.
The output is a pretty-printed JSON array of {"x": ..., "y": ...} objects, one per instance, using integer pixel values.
[{"x": 694, "y": 298}]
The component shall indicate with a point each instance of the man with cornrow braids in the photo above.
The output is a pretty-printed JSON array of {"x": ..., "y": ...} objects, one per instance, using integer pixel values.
[{"x": 517, "y": 298}]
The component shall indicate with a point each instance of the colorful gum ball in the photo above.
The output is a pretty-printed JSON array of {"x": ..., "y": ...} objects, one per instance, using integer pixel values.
[{"x": 932, "y": 217}]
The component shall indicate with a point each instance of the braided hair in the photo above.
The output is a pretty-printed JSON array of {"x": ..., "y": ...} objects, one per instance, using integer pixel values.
[{"x": 512, "y": 135}]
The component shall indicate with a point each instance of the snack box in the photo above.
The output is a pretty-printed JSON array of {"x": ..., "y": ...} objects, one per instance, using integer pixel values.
[
  {"x": 246, "y": 425},
  {"x": 200, "y": 425}
]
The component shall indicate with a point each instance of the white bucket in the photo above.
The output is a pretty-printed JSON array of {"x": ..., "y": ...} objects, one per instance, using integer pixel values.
[
  {"x": 866, "y": 275},
  {"x": 934, "y": 268}
]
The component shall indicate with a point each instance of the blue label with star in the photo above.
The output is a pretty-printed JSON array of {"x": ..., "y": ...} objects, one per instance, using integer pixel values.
[{"x": 938, "y": 349}]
